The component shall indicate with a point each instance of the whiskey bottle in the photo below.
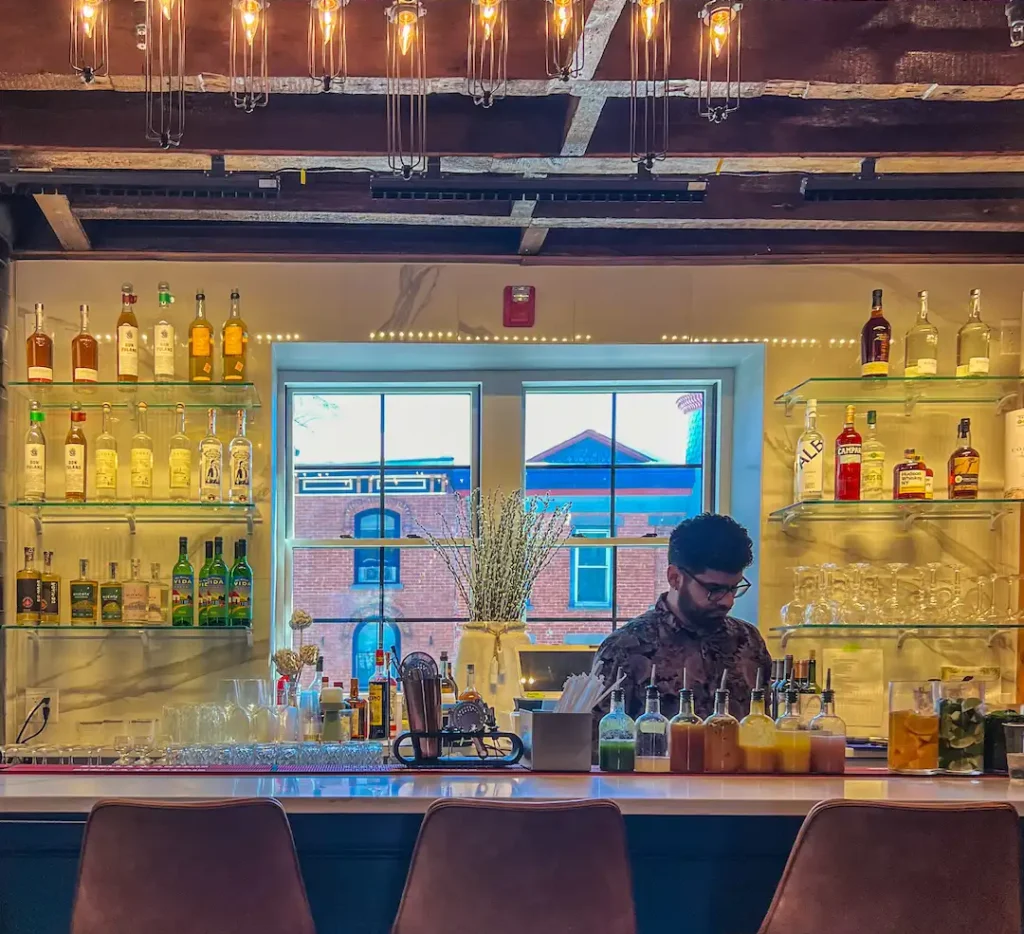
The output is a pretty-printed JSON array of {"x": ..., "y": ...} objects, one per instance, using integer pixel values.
[
  {"x": 809, "y": 471},
  {"x": 848, "y": 459},
  {"x": 135, "y": 594},
  {"x": 111, "y": 598},
  {"x": 972, "y": 341},
  {"x": 449, "y": 689},
  {"x": 217, "y": 587},
  {"x": 200, "y": 344},
  {"x": 75, "y": 457},
  {"x": 85, "y": 352},
  {"x": 49, "y": 593},
  {"x": 180, "y": 459},
  {"x": 240, "y": 461},
  {"x": 84, "y": 596},
  {"x": 211, "y": 462},
  {"x": 908, "y": 477},
  {"x": 470, "y": 693},
  {"x": 159, "y": 596},
  {"x": 28, "y": 584},
  {"x": 105, "y": 466},
  {"x": 127, "y": 338},
  {"x": 358, "y": 706},
  {"x": 163, "y": 337},
  {"x": 964, "y": 465},
  {"x": 921, "y": 346},
  {"x": 240, "y": 588},
  {"x": 39, "y": 351},
  {"x": 379, "y": 700},
  {"x": 142, "y": 459},
  {"x": 35, "y": 456},
  {"x": 183, "y": 588},
  {"x": 872, "y": 468},
  {"x": 875, "y": 338},
  {"x": 203, "y": 585},
  {"x": 235, "y": 344}
]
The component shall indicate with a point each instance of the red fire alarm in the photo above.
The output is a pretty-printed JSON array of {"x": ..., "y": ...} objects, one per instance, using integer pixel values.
[{"x": 520, "y": 308}]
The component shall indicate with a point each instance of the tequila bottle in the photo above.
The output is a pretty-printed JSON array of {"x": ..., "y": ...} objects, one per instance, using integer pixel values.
[
  {"x": 28, "y": 583},
  {"x": 809, "y": 471},
  {"x": 39, "y": 351},
  {"x": 972, "y": 341},
  {"x": 142, "y": 459},
  {"x": 159, "y": 596},
  {"x": 872, "y": 462},
  {"x": 111, "y": 598},
  {"x": 200, "y": 344},
  {"x": 235, "y": 344},
  {"x": 240, "y": 460},
  {"x": 211, "y": 462},
  {"x": 135, "y": 593},
  {"x": 105, "y": 465},
  {"x": 180, "y": 459},
  {"x": 85, "y": 352},
  {"x": 49, "y": 593},
  {"x": 35, "y": 456},
  {"x": 217, "y": 587},
  {"x": 76, "y": 453},
  {"x": 240, "y": 589},
  {"x": 163, "y": 337},
  {"x": 921, "y": 346},
  {"x": 84, "y": 596},
  {"x": 127, "y": 338}
]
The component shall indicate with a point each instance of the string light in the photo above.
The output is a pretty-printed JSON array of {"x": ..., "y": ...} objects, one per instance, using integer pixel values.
[
  {"x": 90, "y": 47},
  {"x": 327, "y": 44},
  {"x": 718, "y": 76},
  {"x": 487, "y": 51},
  {"x": 563, "y": 38},
  {"x": 406, "y": 87},
  {"x": 164, "y": 65},
  {"x": 250, "y": 44},
  {"x": 650, "y": 44}
]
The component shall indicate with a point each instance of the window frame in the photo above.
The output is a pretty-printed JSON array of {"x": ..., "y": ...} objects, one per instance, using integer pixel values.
[
  {"x": 386, "y": 557},
  {"x": 574, "y": 570}
]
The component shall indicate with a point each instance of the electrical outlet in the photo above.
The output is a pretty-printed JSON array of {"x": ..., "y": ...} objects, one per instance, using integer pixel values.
[{"x": 34, "y": 696}]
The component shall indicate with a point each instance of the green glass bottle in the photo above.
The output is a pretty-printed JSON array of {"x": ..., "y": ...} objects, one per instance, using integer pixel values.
[
  {"x": 240, "y": 591},
  {"x": 183, "y": 588},
  {"x": 204, "y": 586},
  {"x": 217, "y": 587}
]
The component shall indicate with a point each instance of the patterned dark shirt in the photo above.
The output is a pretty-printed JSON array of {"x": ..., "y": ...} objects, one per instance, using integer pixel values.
[{"x": 661, "y": 639}]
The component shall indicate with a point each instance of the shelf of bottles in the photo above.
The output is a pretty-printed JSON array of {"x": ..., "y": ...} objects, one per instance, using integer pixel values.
[
  {"x": 990, "y": 632},
  {"x": 894, "y": 510},
  {"x": 94, "y": 512},
  {"x": 901, "y": 390},
  {"x": 157, "y": 395}
]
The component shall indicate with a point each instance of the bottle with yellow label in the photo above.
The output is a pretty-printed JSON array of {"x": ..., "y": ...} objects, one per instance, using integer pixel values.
[
  {"x": 235, "y": 344},
  {"x": 127, "y": 338},
  {"x": 142, "y": 459},
  {"x": 105, "y": 463},
  {"x": 964, "y": 465},
  {"x": 180, "y": 459},
  {"x": 200, "y": 344}
]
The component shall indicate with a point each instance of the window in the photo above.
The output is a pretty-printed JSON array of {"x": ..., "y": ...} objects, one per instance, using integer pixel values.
[
  {"x": 591, "y": 572},
  {"x": 367, "y": 561},
  {"x": 364, "y": 647}
]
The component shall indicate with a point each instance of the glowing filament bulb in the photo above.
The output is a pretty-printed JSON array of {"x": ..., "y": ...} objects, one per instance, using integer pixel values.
[
  {"x": 649, "y": 12},
  {"x": 166, "y": 7},
  {"x": 406, "y": 30},
  {"x": 328, "y": 12},
  {"x": 720, "y": 25},
  {"x": 88, "y": 12},
  {"x": 488, "y": 16},
  {"x": 563, "y": 17},
  {"x": 250, "y": 13}
]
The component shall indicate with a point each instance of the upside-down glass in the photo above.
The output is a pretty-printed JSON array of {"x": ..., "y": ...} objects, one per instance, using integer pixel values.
[
  {"x": 823, "y": 610},
  {"x": 792, "y": 613},
  {"x": 892, "y": 606},
  {"x": 914, "y": 727}
]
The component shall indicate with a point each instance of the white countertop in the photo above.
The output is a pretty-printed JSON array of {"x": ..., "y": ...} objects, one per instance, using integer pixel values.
[{"x": 412, "y": 793}]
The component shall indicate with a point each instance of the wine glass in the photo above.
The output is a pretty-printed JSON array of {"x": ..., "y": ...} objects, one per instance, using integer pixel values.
[
  {"x": 143, "y": 736},
  {"x": 823, "y": 610},
  {"x": 792, "y": 613},
  {"x": 989, "y": 615},
  {"x": 855, "y": 610},
  {"x": 892, "y": 606},
  {"x": 123, "y": 747},
  {"x": 252, "y": 693},
  {"x": 956, "y": 608}
]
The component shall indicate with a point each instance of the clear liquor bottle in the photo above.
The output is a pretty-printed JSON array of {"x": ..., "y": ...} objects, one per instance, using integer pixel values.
[
  {"x": 163, "y": 337},
  {"x": 240, "y": 461},
  {"x": 235, "y": 343},
  {"x": 159, "y": 596},
  {"x": 809, "y": 470},
  {"x": 142, "y": 458},
  {"x": 105, "y": 465},
  {"x": 76, "y": 458},
  {"x": 135, "y": 594},
  {"x": 200, "y": 344},
  {"x": 179, "y": 460},
  {"x": 651, "y": 735},
  {"x": 211, "y": 462},
  {"x": 85, "y": 352},
  {"x": 921, "y": 345},
  {"x": 34, "y": 467},
  {"x": 39, "y": 351},
  {"x": 127, "y": 338},
  {"x": 972, "y": 341},
  {"x": 872, "y": 462}
]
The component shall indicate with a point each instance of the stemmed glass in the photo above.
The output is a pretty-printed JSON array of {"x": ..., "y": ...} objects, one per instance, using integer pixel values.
[
  {"x": 989, "y": 615},
  {"x": 930, "y": 608},
  {"x": 792, "y": 613},
  {"x": 823, "y": 609},
  {"x": 855, "y": 610},
  {"x": 143, "y": 736},
  {"x": 956, "y": 609},
  {"x": 892, "y": 606},
  {"x": 123, "y": 746},
  {"x": 251, "y": 693}
]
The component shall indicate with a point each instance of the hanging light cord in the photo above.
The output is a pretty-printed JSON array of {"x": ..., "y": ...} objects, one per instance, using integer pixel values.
[{"x": 43, "y": 702}]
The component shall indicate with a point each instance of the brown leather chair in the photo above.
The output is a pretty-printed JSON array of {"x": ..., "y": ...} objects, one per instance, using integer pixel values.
[
  {"x": 210, "y": 868},
  {"x": 505, "y": 868},
  {"x": 859, "y": 867}
]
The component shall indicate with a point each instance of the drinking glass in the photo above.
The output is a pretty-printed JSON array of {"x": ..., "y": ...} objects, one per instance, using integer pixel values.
[
  {"x": 792, "y": 613},
  {"x": 962, "y": 727},
  {"x": 956, "y": 609},
  {"x": 143, "y": 734},
  {"x": 855, "y": 610},
  {"x": 251, "y": 693},
  {"x": 17, "y": 754},
  {"x": 823, "y": 609},
  {"x": 211, "y": 722},
  {"x": 92, "y": 737},
  {"x": 289, "y": 729},
  {"x": 932, "y": 606},
  {"x": 892, "y": 605},
  {"x": 913, "y": 727},
  {"x": 1014, "y": 733},
  {"x": 987, "y": 597},
  {"x": 123, "y": 747}
]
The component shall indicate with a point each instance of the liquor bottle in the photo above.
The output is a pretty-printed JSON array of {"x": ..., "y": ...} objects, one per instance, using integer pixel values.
[
  {"x": 964, "y": 465},
  {"x": 449, "y": 689},
  {"x": 394, "y": 709},
  {"x": 127, "y": 338},
  {"x": 792, "y": 742},
  {"x": 809, "y": 702},
  {"x": 217, "y": 587},
  {"x": 929, "y": 480},
  {"x": 240, "y": 461},
  {"x": 49, "y": 593},
  {"x": 111, "y": 598},
  {"x": 159, "y": 596},
  {"x": 722, "y": 735},
  {"x": 809, "y": 472},
  {"x": 235, "y": 344},
  {"x": 921, "y": 346},
  {"x": 616, "y": 737},
  {"x": 204, "y": 584},
  {"x": 142, "y": 458},
  {"x": 28, "y": 585},
  {"x": 972, "y": 341},
  {"x": 85, "y": 594},
  {"x": 779, "y": 701},
  {"x": 380, "y": 700},
  {"x": 180, "y": 459},
  {"x": 651, "y": 746},
  {"x": 85, "y": 352},
  {"x": 241, "y": 587},
  {"x": 757, "y": 734},
  {"x": 872, "y": 468},
  {"x": 470, "y": 693},
  {"x": 211, "y": 462},
  {"x": 163, "y": 337},
  {"x": 770, "y": 703},
  {"x": 183, "y": 587},
  {"x": 686, "y": 736},
  {"x": 76, "y": 457},
  {"x": 35, "y": 456},
  {"x": 135, "y": 594},
  {"x": 875, "y": 337},
  {"x": 358, "y": 707},
  {"x": 908, "y": 477},
  {"x": 848, "y": 460},
  {"x": 828, "y": 735},
  {"x": 39, "y": 351},
  {"x": 105, "y": 462},
  {"x": 200, "y": 344}
]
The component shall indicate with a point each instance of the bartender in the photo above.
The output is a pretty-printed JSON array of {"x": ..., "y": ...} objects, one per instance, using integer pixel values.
[{"x": 690, "y": 627}]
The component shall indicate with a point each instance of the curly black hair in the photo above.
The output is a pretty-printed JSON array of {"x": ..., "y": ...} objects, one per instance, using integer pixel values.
[{"x": 710, "y": 541}]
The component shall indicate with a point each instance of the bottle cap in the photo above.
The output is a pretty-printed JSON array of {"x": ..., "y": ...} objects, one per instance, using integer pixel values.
[
  {"x": 183, "y": 542},
  {"x": 876, "y": 297}
]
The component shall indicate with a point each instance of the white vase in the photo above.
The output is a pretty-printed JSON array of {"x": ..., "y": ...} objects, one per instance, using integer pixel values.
[{"x": 491, "y": 648}]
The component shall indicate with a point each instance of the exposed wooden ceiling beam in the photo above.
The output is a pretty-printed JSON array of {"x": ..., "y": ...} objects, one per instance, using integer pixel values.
[{"x": 57, "y": 211}]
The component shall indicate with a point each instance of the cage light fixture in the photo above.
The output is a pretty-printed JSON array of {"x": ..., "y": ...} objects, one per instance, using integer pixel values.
[
  {"x": 90, "y": 47},
  {"x": 249, "y": 45},
  {"x": 164, "y": 64},
  {"x": 650, "y": 45},
  {"x": 563, "y": 38},
  {"x": 406, "y": 90},
  {"x": 718, "y": 78},
  {"x": 487, "y": 51},
  {"x": 327, "y": 44}
]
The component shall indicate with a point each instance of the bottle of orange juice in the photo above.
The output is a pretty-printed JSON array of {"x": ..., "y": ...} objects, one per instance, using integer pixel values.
[
  {"x": 792, "y": 743},
  {"x": 757, "y": 734}
]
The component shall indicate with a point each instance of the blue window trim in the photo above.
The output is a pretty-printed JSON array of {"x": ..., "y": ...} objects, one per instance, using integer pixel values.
[
  {"x": 392, "y": 555},
  {"x": 574, "y": 601}
]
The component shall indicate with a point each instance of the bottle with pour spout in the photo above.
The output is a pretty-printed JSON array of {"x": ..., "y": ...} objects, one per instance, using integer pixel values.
[
  {"x": 722, "y": 735},
  {"x": 686, "y": 736},
  {"x": 757, "y": 734},
  {"x": 652, "y": 734}
]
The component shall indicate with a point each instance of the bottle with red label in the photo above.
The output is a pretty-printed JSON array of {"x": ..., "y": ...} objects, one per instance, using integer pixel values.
[{"x": 848, "y": 457}]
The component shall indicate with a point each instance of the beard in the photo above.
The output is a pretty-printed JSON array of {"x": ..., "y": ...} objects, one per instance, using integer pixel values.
[{"x": 702, "y": 616}]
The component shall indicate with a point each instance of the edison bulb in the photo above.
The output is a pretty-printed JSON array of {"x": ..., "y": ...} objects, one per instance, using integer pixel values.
[
  {"x": 563, "y": 16},
  {"x": 166, "y": 7},
  {"x": 719, "y": 26},
  {"x": 649, "y": 17},
  {"x": 88, "y": 12},
  {"x": 249, "y": 10},
  {"x": 488, "y": 16},
  {"x": 406, "y": 29},
  {"x": 327, "y": 12}
]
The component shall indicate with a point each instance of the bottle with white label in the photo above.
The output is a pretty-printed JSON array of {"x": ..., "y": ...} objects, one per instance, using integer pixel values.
[
  {"x": 142, "y": 458},
  {"x": 35, "y": 456},
  {"x": 105, "y": 460},
  {"x": 240, "y": 460},
  {"x": 127, "y": 338},
  {"x": 809, "y": 470},
  {"x": 872, "y": 462},
  {"x": 921, "y": 345},
  {"x": 85, "y": 352},
  {"x": 180, "y": 459},
  {"x": 163, "y": 337},
  {"x": 211, "y": 462},
  {"x": 75, "y": 457},
  {"x": 135, "y": 596},
  {"x": 972, "y": 341}
]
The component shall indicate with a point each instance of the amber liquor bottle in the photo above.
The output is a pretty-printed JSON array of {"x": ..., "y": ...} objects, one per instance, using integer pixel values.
[
  {"x": 85, "y": 352},
  {"x": 875, "y": 339},
  {"x": 964, "y": 465},
  {"x": 200, "y": 344},
  {"x": 235, "y": 343},
  {"x": 127, "y": 338},
  {"x": 848, "y": 459},
  {"x": 909, "y": 478},
  {"x": 39, "y": 351}
]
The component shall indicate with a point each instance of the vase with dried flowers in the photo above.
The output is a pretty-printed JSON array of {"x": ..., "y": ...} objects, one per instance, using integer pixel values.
[{"x": 291, "y": 662}]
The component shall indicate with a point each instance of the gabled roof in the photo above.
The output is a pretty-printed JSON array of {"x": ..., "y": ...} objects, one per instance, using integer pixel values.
[{"x": 575, "y": 450}]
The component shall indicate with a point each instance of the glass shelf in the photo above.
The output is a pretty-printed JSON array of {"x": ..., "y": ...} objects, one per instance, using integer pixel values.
[
  {"x": 901, "y": 631},
  {"x": 906, "y": 511},
  {"x": 132, "y": 513},
  {"x": 898, "y": 390},
  {"x": 126, "y": 395},
  {"x": 142, "y": 631}
]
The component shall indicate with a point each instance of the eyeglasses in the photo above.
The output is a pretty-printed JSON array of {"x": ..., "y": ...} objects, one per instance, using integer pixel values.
[{"x": 718, "y": 592}]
